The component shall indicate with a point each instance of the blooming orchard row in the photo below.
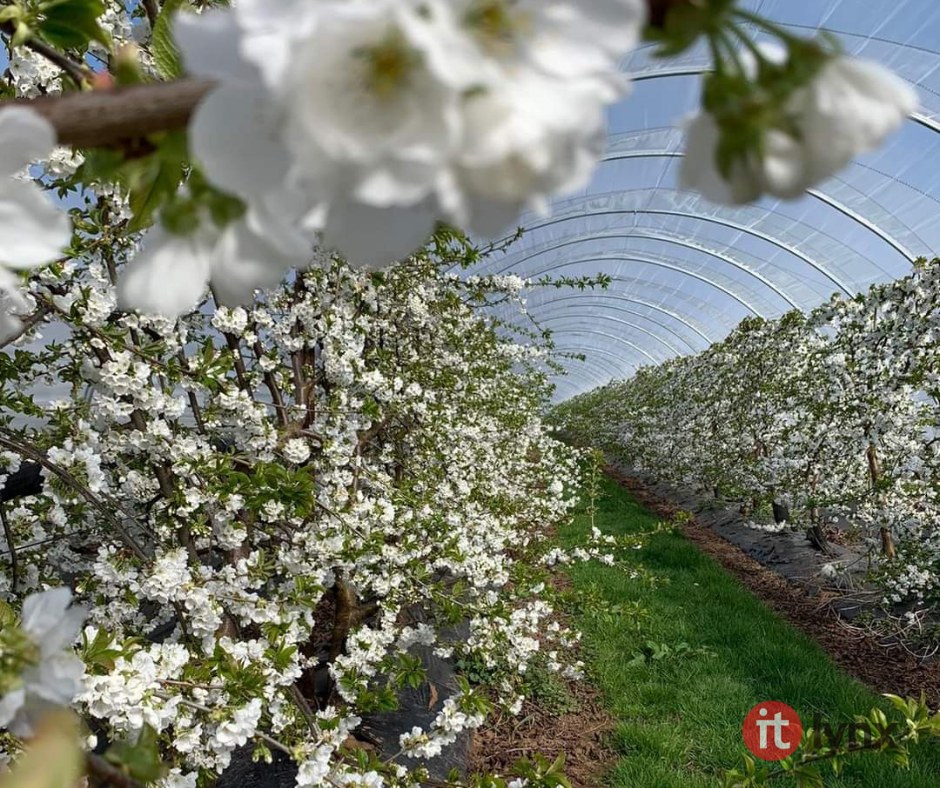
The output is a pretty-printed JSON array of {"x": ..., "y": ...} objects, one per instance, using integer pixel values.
[
  {"x": 256, "y": 505},
  {"x": 835, "y": 412}
]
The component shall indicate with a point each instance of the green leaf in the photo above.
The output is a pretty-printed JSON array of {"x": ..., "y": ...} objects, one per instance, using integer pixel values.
[
  {"x": 7, "y": 616},
  {"x": 101, "y": 164},
  {"x": 155, "y": 181},
  {"x": 9, "y": 13},
  {"x": 72, "y": 24},
  {"x": 166, "y": 55},
  {"x": 23, "y": 33},
  {"x": 141, "y": 760}
]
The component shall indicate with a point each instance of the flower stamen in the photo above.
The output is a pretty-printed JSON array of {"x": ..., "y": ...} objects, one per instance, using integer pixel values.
[{"x": 389, "y": 65}]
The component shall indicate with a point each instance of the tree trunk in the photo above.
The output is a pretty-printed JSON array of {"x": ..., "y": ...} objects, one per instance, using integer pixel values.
[
  {"x": 344, "y": 618},
  {"x": 815, "y": 532},
  {"x": 874, "y": 475},
  {"x": 887, "y": 543}
]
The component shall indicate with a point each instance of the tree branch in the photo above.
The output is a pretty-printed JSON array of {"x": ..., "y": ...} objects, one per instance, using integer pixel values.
[
  {"x": 105, "y": 772},
  {"x": 103, "y": 118},
  {"x": 11, "y": 549}
]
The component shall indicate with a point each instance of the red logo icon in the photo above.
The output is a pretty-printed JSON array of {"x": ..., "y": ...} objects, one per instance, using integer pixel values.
[{"x": 772, "y": 730}]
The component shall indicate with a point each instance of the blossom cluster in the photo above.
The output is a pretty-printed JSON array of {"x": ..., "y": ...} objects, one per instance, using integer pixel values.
[
  {"x": 358, "y": 127},
  {"x": 837, "y": 412},
  {"x": 371, "y": 121},
  {"x": 848, "y": 107}
]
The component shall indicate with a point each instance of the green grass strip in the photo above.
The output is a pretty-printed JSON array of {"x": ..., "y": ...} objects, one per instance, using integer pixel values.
[{"x": 679, "y": 718}]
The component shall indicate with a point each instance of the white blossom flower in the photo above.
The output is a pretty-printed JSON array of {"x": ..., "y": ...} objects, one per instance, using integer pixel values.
[
  {"x": 172, "y": 272},
  {"x": 54, "y": 679},
  {"x": 780, "y": 170},
  {"x": 178, "y": 779},
  {"x": 32, "y": 230},
  {"x": 297, "y": 451},
  {"x": 383, "y": 118},
  {"x": 850, "y": 107}
]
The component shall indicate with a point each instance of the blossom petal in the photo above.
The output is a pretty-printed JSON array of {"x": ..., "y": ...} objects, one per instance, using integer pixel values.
[
  {"x": 169, "y": 275},
  {"x": 44, "y": 611},
  {"x": 492, "y": 218},
  {"x": 783, "y": 166},
  {"x": 12, "y": 304},
  {"x": 33, "y": 231},
  {"x": 374, "y": 237},
  {"x": 276, "y": 218},
  {"x": 246, "y": 262},
  {"x": 209, "y": 45},
  {"x": 272, "y": 26},
  {"x": 235, "y": 137},
  {"x": 10, "y": 704},
  {"x": 57, "y": 678},
  {"x": 29, "y": 716},
  {"x": 25, "y": 136},
  {"x": 65, "y": 632}
]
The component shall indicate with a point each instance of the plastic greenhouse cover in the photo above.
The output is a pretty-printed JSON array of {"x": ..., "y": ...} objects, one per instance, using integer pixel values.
[{"x": 686, "y": 271}]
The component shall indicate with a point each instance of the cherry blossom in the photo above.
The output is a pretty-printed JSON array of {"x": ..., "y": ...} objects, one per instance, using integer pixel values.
[
  {"x": 32, "y": 230},
  {"x": 388, "y": 117},
  {"x": 53, "y": 674},
  {"x": 848, "y": 108}
]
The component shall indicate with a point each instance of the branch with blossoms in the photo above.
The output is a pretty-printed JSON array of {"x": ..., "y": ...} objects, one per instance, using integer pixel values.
[
  {"x": 747, "y": 141},
  {"x": 231, "y": 147},
  {"x": 111, "y": 116},
  {"x": 279, "y": 520}
]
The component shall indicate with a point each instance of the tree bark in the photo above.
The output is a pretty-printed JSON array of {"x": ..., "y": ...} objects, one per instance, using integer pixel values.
[
  {"x": 107, "y": 118},
  {"x": 815, "y": 533},
  {"x": 874, "y": 473}
]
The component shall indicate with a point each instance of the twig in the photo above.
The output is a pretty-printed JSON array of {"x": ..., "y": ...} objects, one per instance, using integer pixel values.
[
  {"x": 99, "y": 768},
  {"x": 11, "y": 549},
  {"x": 26, "y": 324},
  {"x": 271, "y": 382},
  {"x": 305, "y": 710}
]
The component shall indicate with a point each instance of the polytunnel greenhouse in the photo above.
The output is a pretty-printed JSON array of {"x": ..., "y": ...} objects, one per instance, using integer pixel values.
[{"x": 469, "y": 393}]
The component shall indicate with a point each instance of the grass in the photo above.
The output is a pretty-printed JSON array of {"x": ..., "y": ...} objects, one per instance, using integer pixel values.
[{"x": 680, "y": 716}]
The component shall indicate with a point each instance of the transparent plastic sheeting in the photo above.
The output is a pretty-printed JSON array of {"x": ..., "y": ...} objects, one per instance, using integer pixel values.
[{"x": 686, "y": 271}]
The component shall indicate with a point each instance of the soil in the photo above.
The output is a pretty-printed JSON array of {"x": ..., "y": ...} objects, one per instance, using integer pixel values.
[
  {"x": 812, "y": 610},
  {"x": 581, "y": 735}
]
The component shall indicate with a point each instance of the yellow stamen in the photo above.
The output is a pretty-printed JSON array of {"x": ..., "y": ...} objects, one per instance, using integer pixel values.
[{"x": 389, "y": 65}]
